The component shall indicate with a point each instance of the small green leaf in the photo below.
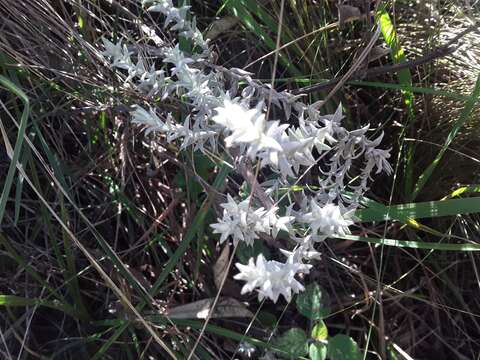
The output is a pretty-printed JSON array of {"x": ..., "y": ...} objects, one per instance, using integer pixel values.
[
  {"x": 81, "y": 22},
  {"x": 320, "y": 331},
  {"x": 313, "y": 302},
  {"x": 292, "y": 343},
  {"x": 317, "y": 352},
  {"x": 343, "y": 347}
]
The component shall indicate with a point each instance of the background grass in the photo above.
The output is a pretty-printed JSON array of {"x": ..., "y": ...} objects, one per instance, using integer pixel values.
[{"x": 102, "y": 231}]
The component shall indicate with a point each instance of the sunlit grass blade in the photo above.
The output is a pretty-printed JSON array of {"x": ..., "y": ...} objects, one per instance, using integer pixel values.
[
  {"x": 428, "y": 209},
  {"x": 463, "y": 190},
  {"x": 405, "y": 79},
  {"x": 413, "y": 244}
]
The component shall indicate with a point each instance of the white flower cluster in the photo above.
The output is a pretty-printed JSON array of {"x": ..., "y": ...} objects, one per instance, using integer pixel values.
[
  {"x": 243, "y": 223},
  {"x": 327, "y": 220},
  {"x": 218, "y": 109},
  {"x": 271, "y": 278},
  {"x": 178, "y": 16}
]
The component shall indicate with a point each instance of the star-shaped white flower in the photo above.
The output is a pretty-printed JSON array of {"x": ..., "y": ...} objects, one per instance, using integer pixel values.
[
  {"x": 271, "y": 278},
  {"x": 241, "y": 222},
  {"x": 120, "y": 56},
  {"x": 149, "y": 118},
  {"x": 247, "y": 126},
  {"x": 327, "y": 220}
]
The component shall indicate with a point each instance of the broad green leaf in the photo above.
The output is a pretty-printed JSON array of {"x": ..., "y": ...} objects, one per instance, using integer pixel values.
[
  {"x": 317, "y": 351},
  {"x": 292, "y": 343},
  {"x": 342, "y": 347},
  {"x": 313, "y": 302},
  {"x": 320, "y": 331}
]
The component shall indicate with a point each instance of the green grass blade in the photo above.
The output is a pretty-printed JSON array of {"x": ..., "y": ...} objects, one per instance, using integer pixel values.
[
  {"x": 19, "y": 187},
  {"x": 398, "y": 55},
  {"x": 192, "y": 230},
  {"x": 12, "y": 300},
  {"x": 464, "y": 116},
  {"x": 413, "y": 244},
  {"x": 18, "y": 145},
  {"x": 428, "y": 209},
  {"x": 405, "y": 79},
  {"x": 463, "y": 190}
]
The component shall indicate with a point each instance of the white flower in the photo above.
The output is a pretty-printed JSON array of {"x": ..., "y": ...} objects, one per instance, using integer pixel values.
[
  {"x": 152, "y": 81},
  {"x": 177, "y": 57},
  {"x": 204, "y": 94},
  {"x": 120, "y": 57},
  {"x": 163, "y": 6},
  {"x": 191, "y": 32},
  {"x": 136, "y": 70},
  {"x": 241, "y": 222},
  {"x": 378, "y": 158},
  {"x": 295, "y": 151},
  {"x": 186, "y": 27},
  {"x": 277, "y": 223},
  {"x": 327, "y": 220},
  {"x": 271, "y": 278},
  {"x": 246, "y": 349},
  {"x": 143, "y": 117},
  {"x": 247, "y": 127},
  {"x": 305, "y": 250},
  {"x": 191, "y": 135}
]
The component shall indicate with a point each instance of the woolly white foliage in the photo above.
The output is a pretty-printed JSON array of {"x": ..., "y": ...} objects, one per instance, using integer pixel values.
[{"x": 217, "y": 110}]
